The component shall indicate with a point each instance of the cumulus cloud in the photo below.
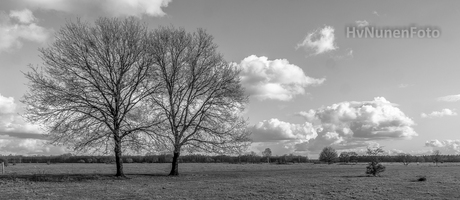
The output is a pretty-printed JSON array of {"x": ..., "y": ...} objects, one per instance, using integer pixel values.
[
  {"x": 442, "y": 113},
  {"x": 11, "y": 145},
  {"x": 19, "y": 26},
  {"x": 274, "y": 79},
  {"x": 275, "y": 130},
  {"x": 320, "y": 41},
  {"x": 353, "y": 124},
  {"x": 12, "y": 124},
  {"x": 350, "y": 125},
  {"x": 449, "y": 98},
  {"x": 20, "y": 137},
  {"x": 112, "y": 8},
  {"x": 449, "y": 146},
  {"x": 24, "y": 16},
  {"x": 362, "y": 23}
]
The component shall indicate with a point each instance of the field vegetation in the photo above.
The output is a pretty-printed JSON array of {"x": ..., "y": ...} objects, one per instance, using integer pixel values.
[{"x": 230, "y": 181}]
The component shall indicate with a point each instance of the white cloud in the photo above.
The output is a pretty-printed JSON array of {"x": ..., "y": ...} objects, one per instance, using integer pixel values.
[
  {"x": 7, "y": 105},
  {"x": 450, "y": 98},
  {"x": 19, "y": 26},
  {"x": 348, "y": 125},
  {"x": 113, "y": 8},
  {"x": 11, "y": 145},
  {"x": 345, "y": 126},
  {"x": 274, "y": 79},
  {"x": 448, "y": 146},
  {"x": 442, "y": 113},
  {"x": 13, "y": 125},
  {"x": 20, "y": 137},
  {"x": 403, "y": 85},
  {"x": 320, "y": 41},
  {"x": 24, "y": 16},
  {"x": 362, "y": 23},
  {"x": 275, "y": 130}
]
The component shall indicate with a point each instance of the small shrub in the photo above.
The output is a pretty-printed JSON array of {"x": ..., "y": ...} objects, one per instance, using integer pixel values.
[
  {"x": 81, "y": 161},
  {"x": 129, "y": 160},
  {"x": 374, "y": 168}
]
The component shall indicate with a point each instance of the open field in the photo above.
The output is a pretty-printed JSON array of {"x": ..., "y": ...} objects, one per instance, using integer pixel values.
[{"x": 229, "y": 181}]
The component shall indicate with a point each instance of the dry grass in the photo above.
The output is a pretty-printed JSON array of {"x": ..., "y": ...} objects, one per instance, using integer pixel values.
[{"x": 229, "y": 181}]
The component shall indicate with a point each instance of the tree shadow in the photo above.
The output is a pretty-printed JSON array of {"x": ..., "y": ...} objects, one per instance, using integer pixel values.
[
  {"x": 357, "y": 176},
  {"x": 70, "y": 177}
]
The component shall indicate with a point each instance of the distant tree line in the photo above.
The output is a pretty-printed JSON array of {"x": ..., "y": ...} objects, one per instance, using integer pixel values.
[
  {"x": 160, "y": 158},
  {"x": 246, "y": 158},
  {"x": 402, "y": 158}
]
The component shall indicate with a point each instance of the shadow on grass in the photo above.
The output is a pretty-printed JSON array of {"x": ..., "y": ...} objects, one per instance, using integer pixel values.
[
  {"x": 358, "y": 176},
  {"x": 70, "y": 177}
]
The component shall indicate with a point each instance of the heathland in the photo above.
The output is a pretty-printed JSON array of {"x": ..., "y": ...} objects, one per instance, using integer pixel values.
[{"x": 230, "y": 181}]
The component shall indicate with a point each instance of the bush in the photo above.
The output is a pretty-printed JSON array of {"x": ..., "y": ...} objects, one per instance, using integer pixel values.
[
  {"x": 129, "y": 160},
  {"x": 375, "y": 168},
  {"x": 81, "y": 161}
]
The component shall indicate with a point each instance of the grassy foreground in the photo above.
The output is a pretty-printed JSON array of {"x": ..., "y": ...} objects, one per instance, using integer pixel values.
[{"x": 229, "y": 181}]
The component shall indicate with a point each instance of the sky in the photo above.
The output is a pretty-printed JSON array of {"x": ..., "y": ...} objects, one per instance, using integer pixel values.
[{"x": 310, "y": 84}]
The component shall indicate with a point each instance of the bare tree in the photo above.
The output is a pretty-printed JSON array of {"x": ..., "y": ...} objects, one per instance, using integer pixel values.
[
  {"x": 201, "y": 96},
  {"x": 375, "y": 167},
  {"x": 437, "y": 157},
  {"x": 405, "y": 158},
  {"x": 267, "y": 153},
  {"x": 88, "y": 93},
  {"x": 328, "y": 155}
]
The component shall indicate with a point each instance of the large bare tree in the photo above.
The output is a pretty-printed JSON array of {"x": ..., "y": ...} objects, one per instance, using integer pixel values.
[
  {"x": 201, "y": 96},
  {"x": 89, "y": 92}
]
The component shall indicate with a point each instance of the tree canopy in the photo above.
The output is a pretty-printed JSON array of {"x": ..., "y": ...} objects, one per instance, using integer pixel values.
[{"x": 89, "y": 91}]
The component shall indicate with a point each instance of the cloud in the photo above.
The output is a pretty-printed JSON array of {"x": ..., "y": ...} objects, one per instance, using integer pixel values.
[
  {"x": 449, "y": 146},
  {"x": 275, "y": 130},
  {"x": 24, "y": 16},
  {"x": 274, "y": 79},
  {"x": 320, "y": 41},
  {"x": 449, "y": 98},
  {"x": 112, "y": 8},
  {"x": 20, "y": 137},
  {"x": 19, "y": 26},
  {"x": 442, "y": 113},
  {"x": 353, "y": 124},
  {"x": 350, "y": 125},
  {"x": 16, "y": 146},
  {"x": 13, "y": 125},
  {"x": 7, "y": 105},
  {"x": 403, "y": 85},
  {"x": 362, "y": 23}
]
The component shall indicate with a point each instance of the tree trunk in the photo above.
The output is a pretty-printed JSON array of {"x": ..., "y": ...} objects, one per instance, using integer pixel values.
[
  {"x": 118, "y": 159},
  {"x": 175, "y": 164}
]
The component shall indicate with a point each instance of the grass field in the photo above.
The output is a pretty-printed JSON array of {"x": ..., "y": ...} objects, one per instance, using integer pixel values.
[{"x": 229, "y": 181}]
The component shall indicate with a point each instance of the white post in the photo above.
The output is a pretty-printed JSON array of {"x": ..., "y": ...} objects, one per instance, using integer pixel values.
[{"x": 3, "y": 168}]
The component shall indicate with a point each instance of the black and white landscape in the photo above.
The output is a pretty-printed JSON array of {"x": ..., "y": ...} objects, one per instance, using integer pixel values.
[{"x": 169, "y": 99}]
